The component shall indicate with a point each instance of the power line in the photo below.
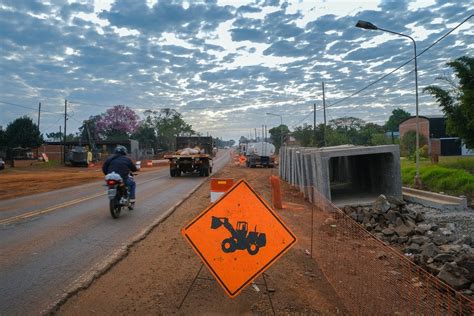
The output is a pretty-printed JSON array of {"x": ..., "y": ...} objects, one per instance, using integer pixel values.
[
  {"x": 391, "y": 72},
  {"x": 27, "y": 107},
  {"x": 402, "y": 65}
]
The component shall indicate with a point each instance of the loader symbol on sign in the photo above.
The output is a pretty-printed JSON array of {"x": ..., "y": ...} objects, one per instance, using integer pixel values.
[{"x": 240, "y": 238}]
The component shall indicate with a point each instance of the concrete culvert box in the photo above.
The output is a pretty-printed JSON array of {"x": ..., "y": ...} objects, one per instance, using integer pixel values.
[{"x": 357, "y": 175}]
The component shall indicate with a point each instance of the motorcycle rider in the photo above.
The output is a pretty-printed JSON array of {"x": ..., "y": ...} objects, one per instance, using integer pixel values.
[{"x": 121, "y": 164}]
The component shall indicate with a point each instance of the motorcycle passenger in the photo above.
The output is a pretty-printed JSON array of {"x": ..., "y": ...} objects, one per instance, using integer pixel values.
[{"x": 121, "y": 164}]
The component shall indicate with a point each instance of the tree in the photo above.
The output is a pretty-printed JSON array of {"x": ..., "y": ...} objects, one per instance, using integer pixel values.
[
  {"x": 223, "y": 143},
  {"x": 457, "y": 101},
  {"x": 55, "y": 136},
  {"x": 168, "y": 124},
  {"x": 146, "y": 134},
  {"x": 366, "y": 134},
  {"x": 336, "y": 137},
  {"x": 89, "y": 129},
  {"x": 3, "y": 139},
  {"x": 350, "y": 127},
  {"x": 408, "y": 143},
  {"x": 22, "y": 132},
  {"x": 347, "y": 123},
  {"x": 276, "y": 134},
  {"x": 243, "y": 139},
  {"x": 398, "y": 116},
  {"x": 117, "y": 123},
  {"x": 304, "y": 134}
]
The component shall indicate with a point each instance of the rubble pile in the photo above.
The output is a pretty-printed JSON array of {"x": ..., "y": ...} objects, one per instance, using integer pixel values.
[{"x": 440, "y": 249}]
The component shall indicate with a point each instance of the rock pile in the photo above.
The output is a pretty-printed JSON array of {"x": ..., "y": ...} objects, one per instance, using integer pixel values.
[{"x": 440, "y": 249}]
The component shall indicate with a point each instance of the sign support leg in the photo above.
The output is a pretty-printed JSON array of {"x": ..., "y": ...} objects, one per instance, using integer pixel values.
[
  {"x": 191, "y": 286},
  {"x": 268, "y": 293}
]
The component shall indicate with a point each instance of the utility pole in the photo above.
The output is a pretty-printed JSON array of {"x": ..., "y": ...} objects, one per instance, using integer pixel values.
[
  {"x": 324, "y": 111},
  {"x": 64, "y": 136},
  {"x": 265, "y": 138},
  {"x": 314, "y": 124},
  {"x": 39, "y": 115},
  {"x": 60, "y": 147}
]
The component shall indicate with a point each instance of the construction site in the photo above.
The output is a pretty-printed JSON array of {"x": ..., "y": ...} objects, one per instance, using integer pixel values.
[
  {"x": 385, "y": 256},
  {"x": 232, "y": 157}
]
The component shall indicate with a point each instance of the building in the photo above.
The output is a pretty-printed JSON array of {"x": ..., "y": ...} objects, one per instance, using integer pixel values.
[
  {"x": 54, "y": 150},
  {"x": 433, "y": 128}
]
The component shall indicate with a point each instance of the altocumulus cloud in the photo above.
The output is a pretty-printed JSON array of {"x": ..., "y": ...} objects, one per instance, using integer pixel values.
[{"x": 234, "y": 61}]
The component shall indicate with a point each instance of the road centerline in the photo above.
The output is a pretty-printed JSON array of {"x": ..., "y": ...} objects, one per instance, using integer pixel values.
[{"x": 31, "y": 214}]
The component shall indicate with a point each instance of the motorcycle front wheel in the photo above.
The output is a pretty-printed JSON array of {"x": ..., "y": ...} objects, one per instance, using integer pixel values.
[{"x": 115, "y": 208}]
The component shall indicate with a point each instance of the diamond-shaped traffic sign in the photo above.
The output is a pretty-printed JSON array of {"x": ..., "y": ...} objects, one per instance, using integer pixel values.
[{"x": 238, "y": 237}]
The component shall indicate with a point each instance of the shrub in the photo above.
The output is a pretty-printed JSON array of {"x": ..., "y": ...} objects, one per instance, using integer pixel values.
[{"x": 408, "y": 143}]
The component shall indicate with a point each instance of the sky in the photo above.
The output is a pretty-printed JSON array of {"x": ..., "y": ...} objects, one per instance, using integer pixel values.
[{"x": 224, "y": 64}]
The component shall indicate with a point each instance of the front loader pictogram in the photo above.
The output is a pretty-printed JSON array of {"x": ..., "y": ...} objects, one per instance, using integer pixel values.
[{"x": 241, "y": 238}]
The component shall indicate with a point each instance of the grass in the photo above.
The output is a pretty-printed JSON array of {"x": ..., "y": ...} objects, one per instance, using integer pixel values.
[
  {"x": 452, "y": 175},
  {"x": 49, "y": 164}
]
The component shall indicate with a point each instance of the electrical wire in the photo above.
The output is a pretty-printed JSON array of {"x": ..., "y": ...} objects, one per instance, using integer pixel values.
[
  {"x": 402, "y": 65},
  {"x": 27, "y": 107}
]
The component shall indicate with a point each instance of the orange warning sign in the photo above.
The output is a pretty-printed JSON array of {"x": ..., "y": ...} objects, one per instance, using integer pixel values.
[{"x": 238, "y": 237}]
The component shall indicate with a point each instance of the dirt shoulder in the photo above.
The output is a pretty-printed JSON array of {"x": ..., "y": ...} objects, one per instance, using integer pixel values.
[
  {"x": 16, "y": 182},
  {"x": 154, "y": 277}
]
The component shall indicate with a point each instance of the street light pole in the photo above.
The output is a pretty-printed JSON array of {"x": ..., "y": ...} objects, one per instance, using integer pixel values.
[
  {"x": 281, "y": 127},
  {"x": 369, "y": 26}
]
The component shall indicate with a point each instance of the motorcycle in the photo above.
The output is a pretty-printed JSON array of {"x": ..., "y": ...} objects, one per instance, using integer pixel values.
[{"x": 118, "y": 194}]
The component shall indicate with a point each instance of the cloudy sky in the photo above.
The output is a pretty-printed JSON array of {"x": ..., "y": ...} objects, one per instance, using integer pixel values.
[{"x": 223, "y": 64}]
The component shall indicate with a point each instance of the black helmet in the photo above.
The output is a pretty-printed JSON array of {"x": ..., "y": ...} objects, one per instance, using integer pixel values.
[{"x": 120, "y": 150}]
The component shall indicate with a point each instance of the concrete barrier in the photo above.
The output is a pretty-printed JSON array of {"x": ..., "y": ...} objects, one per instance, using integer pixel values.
[{"x": 435, "y": 200}]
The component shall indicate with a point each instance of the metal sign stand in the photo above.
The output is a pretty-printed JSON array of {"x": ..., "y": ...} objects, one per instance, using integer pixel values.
[{"x": 197, "y": 277}]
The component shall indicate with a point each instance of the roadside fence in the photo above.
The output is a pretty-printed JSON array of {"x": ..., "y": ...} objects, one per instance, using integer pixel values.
[{"x": 371, "y": 277}]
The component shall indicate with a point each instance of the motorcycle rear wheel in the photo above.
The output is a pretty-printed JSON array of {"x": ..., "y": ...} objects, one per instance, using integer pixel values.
[{"x": 115, "y": 208}]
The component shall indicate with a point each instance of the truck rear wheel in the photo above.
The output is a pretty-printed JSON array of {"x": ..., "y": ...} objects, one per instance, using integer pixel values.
[
  {"x": 173, "y": 172},
  {"x": 204, "y": 172}
]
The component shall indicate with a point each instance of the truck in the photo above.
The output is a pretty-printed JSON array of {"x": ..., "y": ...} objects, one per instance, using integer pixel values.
[
  {"x": 80, "y": 155},
  {"x": 260, "y": 154},
  {"x": 194, "y": 154}
]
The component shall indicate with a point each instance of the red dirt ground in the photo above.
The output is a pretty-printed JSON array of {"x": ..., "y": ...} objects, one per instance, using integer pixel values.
[
  {"x": 16, "y": 182},
  {"x": 154, "y": 277}
]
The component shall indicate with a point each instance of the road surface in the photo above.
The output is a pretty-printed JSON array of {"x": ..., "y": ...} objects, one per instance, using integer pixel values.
[{"x": 48, "y": 240}]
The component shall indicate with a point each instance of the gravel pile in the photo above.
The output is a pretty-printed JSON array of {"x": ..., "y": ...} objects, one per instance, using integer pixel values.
[{"x": 440, "y": 242}]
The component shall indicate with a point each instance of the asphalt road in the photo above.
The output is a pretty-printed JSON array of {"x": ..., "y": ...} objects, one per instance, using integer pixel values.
[{"x": 48, "y": 240}]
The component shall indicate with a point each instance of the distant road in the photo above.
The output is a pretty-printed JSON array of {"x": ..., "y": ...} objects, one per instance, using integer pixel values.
[{"x": 48, "y": 240}]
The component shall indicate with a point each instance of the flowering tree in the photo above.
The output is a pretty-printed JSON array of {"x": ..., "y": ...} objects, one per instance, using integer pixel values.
[{"x": 117, "y": 122}]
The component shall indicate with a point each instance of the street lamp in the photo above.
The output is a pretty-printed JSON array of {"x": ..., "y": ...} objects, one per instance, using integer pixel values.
[
  {"x": 281, "y": 127},
  {"x": 369, "y": 26}
]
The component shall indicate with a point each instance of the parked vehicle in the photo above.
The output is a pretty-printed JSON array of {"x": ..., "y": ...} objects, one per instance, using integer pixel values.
[
  {"x": 80, "y": 156},
  {"x": 194, "y": 155},
  {"x": 2, "y": 164},
  {"x": 118, "y": 194},
  {"x": 260, "y": 154}
]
